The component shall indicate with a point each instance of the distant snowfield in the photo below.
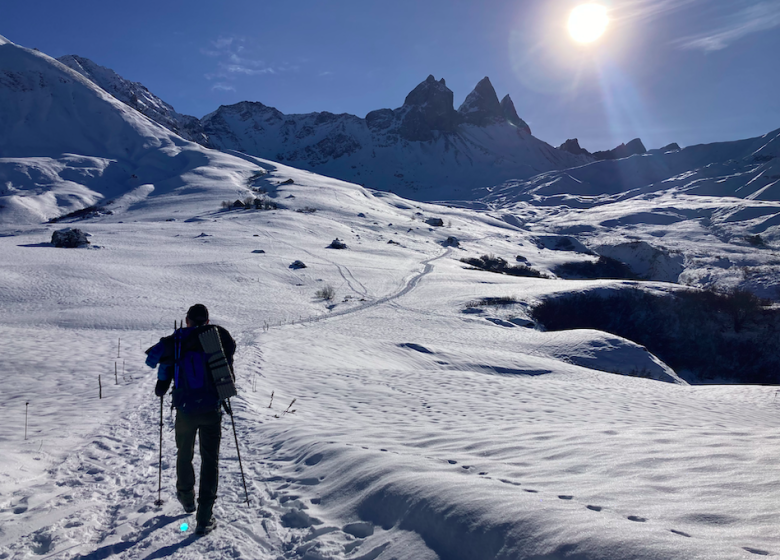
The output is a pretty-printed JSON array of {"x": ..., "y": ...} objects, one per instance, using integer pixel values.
[{"x": 424, "y": 425}]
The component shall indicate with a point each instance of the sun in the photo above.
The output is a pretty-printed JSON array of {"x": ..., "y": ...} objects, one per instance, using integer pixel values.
[{"x": 587, "y": 22}]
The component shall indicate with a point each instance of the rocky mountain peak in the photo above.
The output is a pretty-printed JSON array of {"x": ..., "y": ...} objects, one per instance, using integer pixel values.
[
  {"x": 429, "y": 107},
  {"x": 481, "y": 107},
  {"x": 623, "y": 151},
  {"x": 430, "y": 92},
  {"x": 510, "y": 114},
  {"x": 572, "y": 145}
]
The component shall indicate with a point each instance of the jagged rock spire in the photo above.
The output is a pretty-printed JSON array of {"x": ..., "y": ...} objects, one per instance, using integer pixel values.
[
  {"x": 481, "y": 107},
  {"x": 511, "y": 116},
  {"x": 428, "y": 108}
]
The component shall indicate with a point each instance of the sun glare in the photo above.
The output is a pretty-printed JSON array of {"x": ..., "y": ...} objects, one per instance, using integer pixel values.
[{"x": 587, "y": 22}]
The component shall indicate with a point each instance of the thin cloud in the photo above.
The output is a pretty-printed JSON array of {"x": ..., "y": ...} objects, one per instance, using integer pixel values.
[
  {"x": 761, "y": 16},
  {"x": 238, "y": 69},
  {"x": 221, "y": 86},
  {"x": 644, "y": 10},
  {"x": 236, "y": 57}
]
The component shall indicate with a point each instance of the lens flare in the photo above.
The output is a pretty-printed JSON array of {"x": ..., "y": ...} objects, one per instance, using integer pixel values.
[{"x": 588, "y": 22}]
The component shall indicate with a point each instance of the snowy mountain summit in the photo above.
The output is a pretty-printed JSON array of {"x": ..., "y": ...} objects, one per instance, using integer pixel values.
[
  {"x": 138, "y": 97},
  {"x": 425, "y": 148}
]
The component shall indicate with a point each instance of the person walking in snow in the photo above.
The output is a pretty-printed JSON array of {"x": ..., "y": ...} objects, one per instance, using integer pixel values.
[{"x": 182, "y": 360}]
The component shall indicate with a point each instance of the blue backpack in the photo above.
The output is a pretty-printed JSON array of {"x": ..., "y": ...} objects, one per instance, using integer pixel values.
[{"x": 194, "y": 391}]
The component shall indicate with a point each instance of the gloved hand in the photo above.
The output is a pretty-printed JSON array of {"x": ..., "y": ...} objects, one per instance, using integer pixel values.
[{"x": 162, "y": 387}]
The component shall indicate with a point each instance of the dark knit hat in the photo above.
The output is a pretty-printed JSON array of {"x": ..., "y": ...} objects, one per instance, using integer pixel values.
[{"x": 198, "y": 314}]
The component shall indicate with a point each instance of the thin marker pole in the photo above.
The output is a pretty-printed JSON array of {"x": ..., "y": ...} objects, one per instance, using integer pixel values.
[
  {"x": 100, "y": 387},
  {"x": 159, "y": 501},
  {"x": 26, "y": 405}
]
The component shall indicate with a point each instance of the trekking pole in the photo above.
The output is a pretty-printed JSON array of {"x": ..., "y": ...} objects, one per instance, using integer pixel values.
[
  {"x": 229, "y": 410},
  {"x": 159, "y": 501}
]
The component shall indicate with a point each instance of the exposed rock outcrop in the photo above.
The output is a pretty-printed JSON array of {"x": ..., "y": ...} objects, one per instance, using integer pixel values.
[
  {"x": 481, "y": 107},
  {"x": 572, "y": 146},
  {"x": 623, "y": 151},
  {"x": 510, "y": 113}
]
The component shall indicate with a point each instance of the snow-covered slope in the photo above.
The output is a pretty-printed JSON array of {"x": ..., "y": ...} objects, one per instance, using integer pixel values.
[
  {"x": 424, "y": 426},
  {"x": 747, "y": 169},
  {"x": 424, "y": 149},
  {"x": 703, "y": 215},
  {"x": 67, "y": 144},
  {"x": 137, "y": 96}
]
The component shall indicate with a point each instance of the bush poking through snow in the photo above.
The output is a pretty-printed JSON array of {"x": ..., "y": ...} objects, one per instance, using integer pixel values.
[
  {"x": 702, "y": 335},
  {"x": 326, "y": 292},
  {"x": 492, "y": 301},
  {"x": 297, "y": 265},
  {"x": 492, "y": 263},
  {"x": 604, "y": 267},
  {"x": 265, "y": 203},
  {"x": 83, "y": 214},
  {"x": 337, "y": 244},
  {"x": 755, "y": 240}
]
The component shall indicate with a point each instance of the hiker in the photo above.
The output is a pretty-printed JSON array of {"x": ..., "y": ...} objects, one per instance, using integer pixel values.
[{"x": 181, "y": 360}]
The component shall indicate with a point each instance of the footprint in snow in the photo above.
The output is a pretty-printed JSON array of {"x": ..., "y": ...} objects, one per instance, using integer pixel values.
[
  {"x": 565, "y": 497},
  {"x": 595, "y": 508},
  {"x": 636, "y": 518},
  {"x": 360, "y": 530}
]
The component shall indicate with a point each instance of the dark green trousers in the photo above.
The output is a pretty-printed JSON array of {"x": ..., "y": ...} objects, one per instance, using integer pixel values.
[{"x": 209, "y": 425}]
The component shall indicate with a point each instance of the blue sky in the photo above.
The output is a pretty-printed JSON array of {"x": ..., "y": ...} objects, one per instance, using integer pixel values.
[{"x": 686, "y": 71}]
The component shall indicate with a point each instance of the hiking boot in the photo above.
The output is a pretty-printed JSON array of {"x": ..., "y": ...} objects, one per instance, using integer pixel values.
[
  {"x": 204, "y": 529},
  {"x": 187, "y": 500}
]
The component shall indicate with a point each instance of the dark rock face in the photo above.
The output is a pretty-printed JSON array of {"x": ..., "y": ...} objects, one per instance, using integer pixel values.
[
  {"x": 674, "y": 146},
  {"x": 481, "y": 107},
  {"x": 510, "y": 113},
  {"x": 69, "y": 238},
  {"x": 429, "y": 107},
  {"x": 381, "y": 119},
  {"x": 622, "y": 151},
  {"x": 572, "y": 146}
]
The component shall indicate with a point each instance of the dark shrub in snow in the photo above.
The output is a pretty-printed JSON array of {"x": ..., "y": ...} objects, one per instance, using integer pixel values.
[
  {"x": 491, "y": 263},
  {"x": 297, "y": 264},
  {"x": 451, "y": 242},
  {"x": 69, "y": 238},
  {"x": 702, "y": 335},
  {"x": 604, "y": 267},
  {"x": 83, "y": 214}
]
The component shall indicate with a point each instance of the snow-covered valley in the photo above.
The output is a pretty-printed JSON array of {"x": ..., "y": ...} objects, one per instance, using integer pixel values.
[{"x": 418, "y": 413}]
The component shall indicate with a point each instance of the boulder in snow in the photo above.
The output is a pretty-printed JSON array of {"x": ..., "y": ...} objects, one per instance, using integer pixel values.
[
  {"x": 69, "y": 238},
  {"x": 337, "y": 244}
]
